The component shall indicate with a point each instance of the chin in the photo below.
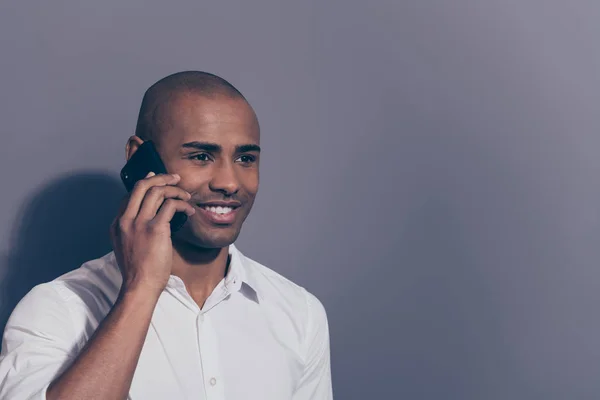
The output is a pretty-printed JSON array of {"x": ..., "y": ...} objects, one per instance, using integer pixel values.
[{"x": 217, "y": 239}]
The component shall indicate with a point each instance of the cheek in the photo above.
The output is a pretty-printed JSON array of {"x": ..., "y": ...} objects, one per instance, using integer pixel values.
[
  {"x": 198, "y": 181},
  {"x": 250, "y": 183},
  {"x": 193, "y": 182}
]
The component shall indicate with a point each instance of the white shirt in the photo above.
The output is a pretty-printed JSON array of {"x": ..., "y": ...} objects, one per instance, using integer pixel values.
[{"x": 257, "y": 337}]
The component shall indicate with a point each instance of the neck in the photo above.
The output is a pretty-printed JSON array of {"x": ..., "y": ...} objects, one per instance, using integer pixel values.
[{"x": 201, "y": 270}]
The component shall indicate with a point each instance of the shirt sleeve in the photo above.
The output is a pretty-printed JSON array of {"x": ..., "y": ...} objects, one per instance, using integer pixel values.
[
  {"x": 315, "y": 383},
  {"x": 38, "y": 344}
]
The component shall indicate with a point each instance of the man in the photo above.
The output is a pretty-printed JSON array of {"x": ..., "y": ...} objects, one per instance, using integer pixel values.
[{"x": 183, "y": 315}]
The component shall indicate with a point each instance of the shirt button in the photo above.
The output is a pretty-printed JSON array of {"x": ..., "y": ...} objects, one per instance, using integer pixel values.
[{"x": 213, "y": 381}]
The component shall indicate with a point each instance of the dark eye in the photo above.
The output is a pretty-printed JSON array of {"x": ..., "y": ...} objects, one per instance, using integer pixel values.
[
  {"x": 200, "y": 157},
  {"x": 247, "y": 159}
]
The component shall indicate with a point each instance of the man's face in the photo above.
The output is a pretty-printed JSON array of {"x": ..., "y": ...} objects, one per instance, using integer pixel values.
[{"x": 213, "y": 144}]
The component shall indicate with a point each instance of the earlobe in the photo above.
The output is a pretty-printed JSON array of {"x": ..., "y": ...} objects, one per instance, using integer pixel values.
[{"x": 132, "y": 145}]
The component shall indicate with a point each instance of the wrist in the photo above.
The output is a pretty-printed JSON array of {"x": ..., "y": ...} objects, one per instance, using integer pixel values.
[{"x": 139, "y": 294}]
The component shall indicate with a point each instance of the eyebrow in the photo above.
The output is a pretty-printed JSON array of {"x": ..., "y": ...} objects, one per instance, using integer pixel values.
[
  {"x": 215, "y": 148},
  {"x": 247, "y": 148}
]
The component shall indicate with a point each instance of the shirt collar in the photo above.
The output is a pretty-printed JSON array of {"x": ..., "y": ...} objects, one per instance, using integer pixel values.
[{"x": 238, "y": 278}]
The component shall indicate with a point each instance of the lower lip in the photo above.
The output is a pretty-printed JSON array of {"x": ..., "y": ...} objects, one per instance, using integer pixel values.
[{"x": 221, "y": 219}]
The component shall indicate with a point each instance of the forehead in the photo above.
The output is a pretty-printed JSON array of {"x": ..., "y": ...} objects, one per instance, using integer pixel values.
[{"x": 220, "y": 119}]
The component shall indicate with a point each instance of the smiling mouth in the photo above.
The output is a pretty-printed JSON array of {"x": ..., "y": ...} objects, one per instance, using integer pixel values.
[
  {"x": 219, "y": 214},
  {"x": 219, "y": 210}
]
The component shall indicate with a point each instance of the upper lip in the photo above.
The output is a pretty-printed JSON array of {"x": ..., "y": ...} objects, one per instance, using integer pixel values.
[{"x": 232, "y": 204}]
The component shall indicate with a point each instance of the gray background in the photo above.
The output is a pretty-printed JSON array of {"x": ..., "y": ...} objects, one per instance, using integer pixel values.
[{"x": 429, "y": 170}]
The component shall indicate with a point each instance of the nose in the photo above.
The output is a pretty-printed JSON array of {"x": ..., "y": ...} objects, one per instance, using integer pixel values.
[{"x": 224, "y": 179}]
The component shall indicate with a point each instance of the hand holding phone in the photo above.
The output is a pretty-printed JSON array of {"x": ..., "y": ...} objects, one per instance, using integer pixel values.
[
  {"x": 145, "y": 160},
  {"x": 141, "y": 232}
]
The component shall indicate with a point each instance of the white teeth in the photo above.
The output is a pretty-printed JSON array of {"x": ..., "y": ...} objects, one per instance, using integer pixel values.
[{"x": 219, "y": 210}]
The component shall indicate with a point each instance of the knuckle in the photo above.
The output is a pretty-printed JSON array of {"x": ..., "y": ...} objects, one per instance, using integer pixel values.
[
  {"x": 150, "y": 227},
  {"x": 139, "y": 184},
  {"x": 138, "y": 225},
  {"x": 122, "y": 224},
  {"x": 170, "y": 203},
  {"x": 156, "y": 191},
  {"x": 171, "y": 189},
  {"x": 153, "y": 228}
]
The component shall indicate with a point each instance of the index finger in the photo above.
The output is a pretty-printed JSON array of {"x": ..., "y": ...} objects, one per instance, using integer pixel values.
[{"x": 141, "y": 187}]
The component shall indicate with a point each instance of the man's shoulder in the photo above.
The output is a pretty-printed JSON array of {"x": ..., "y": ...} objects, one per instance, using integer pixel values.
[
  {"x": 288, "y": 300},
  {"x": 94, "y": 280},
  {"x": 267, "y": 278},
  {"x": 98, "y": 277}
]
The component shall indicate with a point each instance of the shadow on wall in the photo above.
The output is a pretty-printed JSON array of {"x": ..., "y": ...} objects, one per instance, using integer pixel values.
[{"x": 65, "y": 224}]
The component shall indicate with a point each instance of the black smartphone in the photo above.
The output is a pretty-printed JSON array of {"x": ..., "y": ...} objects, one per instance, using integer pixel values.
[{"x": 145, "y": 160}]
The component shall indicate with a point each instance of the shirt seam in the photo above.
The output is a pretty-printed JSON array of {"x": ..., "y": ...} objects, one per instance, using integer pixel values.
[
  {"x": 57, "y": 288},
  {"x": 309, "y": 327}
]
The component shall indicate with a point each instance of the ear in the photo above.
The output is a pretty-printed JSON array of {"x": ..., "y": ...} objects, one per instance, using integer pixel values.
[{"x": 133, "y": 143}]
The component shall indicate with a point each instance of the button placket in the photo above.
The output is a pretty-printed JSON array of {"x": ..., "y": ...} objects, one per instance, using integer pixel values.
[{"x": 208, "y": 344}]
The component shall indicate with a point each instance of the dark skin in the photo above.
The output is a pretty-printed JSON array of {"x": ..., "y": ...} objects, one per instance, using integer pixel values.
[
  {"x": 227, "y": 170},
  {"x": 223, "y": 168}
]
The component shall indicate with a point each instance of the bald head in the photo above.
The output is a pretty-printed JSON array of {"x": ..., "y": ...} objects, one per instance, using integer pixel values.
[{"x": 161, "y": 95}]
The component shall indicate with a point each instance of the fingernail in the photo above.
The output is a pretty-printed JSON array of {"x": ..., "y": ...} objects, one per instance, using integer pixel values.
[
  {"x": 176, "y": 176},
  {"x": 150, "y": 174}
]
